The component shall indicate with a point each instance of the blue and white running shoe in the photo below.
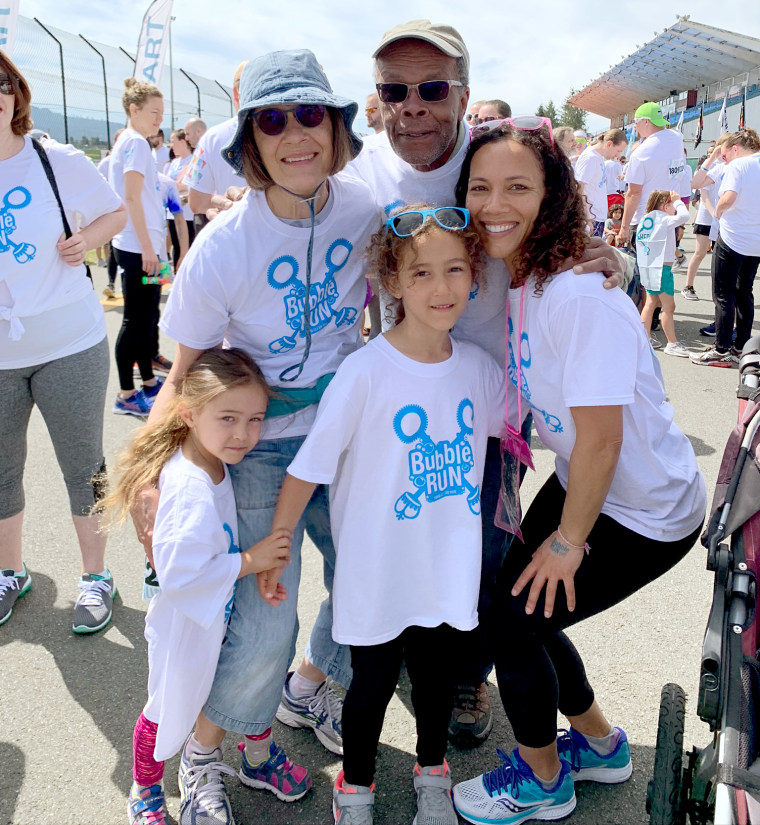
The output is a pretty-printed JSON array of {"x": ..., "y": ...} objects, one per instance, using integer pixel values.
[
  {"x": 511, "y": 794},
  {"x": 587, "y": 764}
]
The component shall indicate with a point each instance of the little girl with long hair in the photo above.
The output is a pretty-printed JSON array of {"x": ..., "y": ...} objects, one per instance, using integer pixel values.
[
  {"x": 656, "y": 252},
  {"x": 411, "y": 411},
  {"x": 214, "y": 420}
]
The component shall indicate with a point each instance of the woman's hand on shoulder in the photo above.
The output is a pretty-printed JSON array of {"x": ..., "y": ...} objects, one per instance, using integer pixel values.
[
  {"x": 601, "y": 257},
  {"x": 552, "y": 563},
  {"x": 72, "y": 249},
  {"x": 143, "y": 513}
]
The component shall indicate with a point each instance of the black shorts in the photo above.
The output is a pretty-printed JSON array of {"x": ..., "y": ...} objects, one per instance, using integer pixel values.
[{"x": 702, "y": 229}]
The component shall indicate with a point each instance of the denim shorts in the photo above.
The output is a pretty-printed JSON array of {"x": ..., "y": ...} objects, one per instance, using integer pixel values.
[{"x": 260, "y": 642}]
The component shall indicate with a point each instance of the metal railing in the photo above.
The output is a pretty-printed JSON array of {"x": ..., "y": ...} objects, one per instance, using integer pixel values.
[{"x": 77, "y": 84}]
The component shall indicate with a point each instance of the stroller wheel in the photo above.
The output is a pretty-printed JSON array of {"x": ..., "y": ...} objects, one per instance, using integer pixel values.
[{"x": 665, "y": 789}]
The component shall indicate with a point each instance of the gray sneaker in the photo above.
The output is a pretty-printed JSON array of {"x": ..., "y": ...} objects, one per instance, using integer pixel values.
[
  {"x": 12, "y": 588},
  {"x": 94, "y": 605},
  {"x": 204, "y": 799},
  {"x": 434, "y": 805},
  {"x": 352, "y": 804},
  {"x": 322, "y": 712}
]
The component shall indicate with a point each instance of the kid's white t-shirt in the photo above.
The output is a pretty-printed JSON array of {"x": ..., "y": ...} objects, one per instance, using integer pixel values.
[
  {"x": 402, "y": 446},
  {"x": 740, "y": 223},
  {"x": 48, "y": 309},
  {"x": 583, "y": 346},
  {"x": 197, "y": 561},
  {"x": 243, "y": 282},
  {"x": 132, "y": 153}
]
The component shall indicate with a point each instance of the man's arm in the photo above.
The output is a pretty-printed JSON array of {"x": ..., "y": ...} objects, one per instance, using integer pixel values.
[{"x": 632, "y": 200}]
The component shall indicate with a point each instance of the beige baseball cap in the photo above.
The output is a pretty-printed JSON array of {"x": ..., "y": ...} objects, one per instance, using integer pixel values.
[{"x": 445, "y": 38}]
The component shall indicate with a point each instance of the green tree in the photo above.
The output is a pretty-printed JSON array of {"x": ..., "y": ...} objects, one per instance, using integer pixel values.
[
  {"x": 547, "y": 111},
  {"x": 571, "y": 115}
]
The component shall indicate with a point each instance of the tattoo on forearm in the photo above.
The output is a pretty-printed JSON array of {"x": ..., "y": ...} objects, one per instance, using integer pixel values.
[{"x": 559, "y": 548}]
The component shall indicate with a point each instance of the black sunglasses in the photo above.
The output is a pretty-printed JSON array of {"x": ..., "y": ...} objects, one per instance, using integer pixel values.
[
  {"x": 431, "y": 91},
  {"x": 272, "y": 122},
  {"x": 6, "y": 85}
]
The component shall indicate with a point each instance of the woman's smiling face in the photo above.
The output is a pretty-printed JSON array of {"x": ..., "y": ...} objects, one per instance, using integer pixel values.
[{"x": 504, "y": 196}]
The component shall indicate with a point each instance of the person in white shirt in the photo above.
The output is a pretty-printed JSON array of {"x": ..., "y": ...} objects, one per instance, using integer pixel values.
[
  {"x": 139, "y": 246},
  {"x": 53, "y": 346},
  {"x": 212, "y": 422},
  {"x": 281, "y": 275},
  {"x": 179, "y": 170},
  {"x": 736, "y": 256},
  {"x": 655, "y": 253},
  {"x": 210, "y": 176},
  {"x": 591, "y": 172},
  {"x": 160, "y": 150},
  {"x": 657, "y": 163},
  {"x": 414, "y": 408},
  {"x": 626, "y": 501}
]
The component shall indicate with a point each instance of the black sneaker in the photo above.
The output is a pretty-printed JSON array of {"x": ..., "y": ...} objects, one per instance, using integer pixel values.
[
  {"x": 12, "y": 588},
  {"x": 471, "y": 719}
]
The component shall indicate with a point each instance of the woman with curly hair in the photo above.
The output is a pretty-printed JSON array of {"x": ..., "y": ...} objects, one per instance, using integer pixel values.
[{"x": 626, "y": 500}]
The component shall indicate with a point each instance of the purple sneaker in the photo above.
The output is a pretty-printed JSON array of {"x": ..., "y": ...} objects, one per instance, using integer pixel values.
[
  {"x": 287, "y": 781},
  {"x": 136, "y": 404}
]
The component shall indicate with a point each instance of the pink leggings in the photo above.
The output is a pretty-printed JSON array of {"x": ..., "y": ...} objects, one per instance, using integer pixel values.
[{"x": 145, "y": 769}]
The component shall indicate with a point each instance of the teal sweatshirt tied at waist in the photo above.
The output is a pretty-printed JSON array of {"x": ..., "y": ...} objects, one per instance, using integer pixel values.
[{"x": 289, "y": 400}]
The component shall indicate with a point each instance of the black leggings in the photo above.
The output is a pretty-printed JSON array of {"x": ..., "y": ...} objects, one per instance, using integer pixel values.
[
  {"x": 175, "y": 239},
  {"x": 136, "y": 336},
  {"x": 430, "y": 653},
  {"x": 732, "y": 276},
  {"x": 538, "y": 668}
]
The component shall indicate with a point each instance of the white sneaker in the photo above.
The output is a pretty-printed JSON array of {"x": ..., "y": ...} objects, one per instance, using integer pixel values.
[
  {"x": 678, "y": 264},
  {"x": 689, "y": 293},
  {"x": 654, "y": 342},
  {"x": 677, "y": 349}
]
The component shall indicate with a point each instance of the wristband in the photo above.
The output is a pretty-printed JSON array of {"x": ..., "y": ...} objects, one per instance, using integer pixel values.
[
  {"x": 584, "y": 546},
  {"x": 704, "y": 167}
]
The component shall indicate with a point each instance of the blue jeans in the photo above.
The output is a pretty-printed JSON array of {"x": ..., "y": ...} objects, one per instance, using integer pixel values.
[{"x": 260, "y": 642}]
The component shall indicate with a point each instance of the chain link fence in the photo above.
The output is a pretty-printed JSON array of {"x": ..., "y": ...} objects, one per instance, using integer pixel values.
[{"x": 77, "y": 85}]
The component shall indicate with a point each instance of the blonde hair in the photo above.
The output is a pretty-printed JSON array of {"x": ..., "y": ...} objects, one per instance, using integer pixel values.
[
  {"x": 140, "y": 464},
  {"x": 137, "y": 92},
  {"x": 386, "y": 250},
  {"x": 748, "y": 139},
  {"x": 657, "y": 199}
]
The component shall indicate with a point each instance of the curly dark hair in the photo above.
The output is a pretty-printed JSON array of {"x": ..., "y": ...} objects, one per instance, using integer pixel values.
[
  {"x": 561, "y": 229},
  {"x": 386, "y": 249}
]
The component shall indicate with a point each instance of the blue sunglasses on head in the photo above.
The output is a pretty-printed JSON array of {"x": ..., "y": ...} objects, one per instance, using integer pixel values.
[{"x": 406, "y": 223}]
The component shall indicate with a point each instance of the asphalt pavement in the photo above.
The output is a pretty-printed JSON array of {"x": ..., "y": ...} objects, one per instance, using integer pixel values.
[{"x": 70, "y": 702}]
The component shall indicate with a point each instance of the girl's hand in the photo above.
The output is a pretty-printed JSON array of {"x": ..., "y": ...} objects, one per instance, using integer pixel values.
[
  {"x": 552, "y": 563},
  {"x": 143, "y": 514},
  {"x": 149, "y": 262},
  {"x": 267, "y": 554},
  {"x": 72, "y": 249},
  {"x": 270, "y": 588},
  {"x": 674, "y": 196}
]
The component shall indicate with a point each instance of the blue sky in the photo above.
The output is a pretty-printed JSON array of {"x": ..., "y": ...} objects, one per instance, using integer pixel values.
[{"x": 524, "y": 53}]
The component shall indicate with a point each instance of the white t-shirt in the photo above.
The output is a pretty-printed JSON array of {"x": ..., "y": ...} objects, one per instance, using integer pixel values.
[
  {"x": 656, "y": 243},
  {"x": 210, "y": 173},
  {"x": 104, "y": 166},
  {"x": 48, "y": 309},
  {"x": 170, "y": 198},
  {"x": 656, "y": 164},
  {"x": 394, "y": 182},
  {"x": 613, "y": 170},
  {"x": 740, "y": 224},
  {"x": 585, "y": 346},
  {"x": 197, "y": 563},
  {"x": 132, "y": 153},
  {"x": 176, "y": 171},
  {"x": 590, "y": 169},
  {"x": 402, "y": 446},
  {"x": 161, "y": 157},
  {"x": 683, "y": 184},
  {"x": 243, "y": 281}
]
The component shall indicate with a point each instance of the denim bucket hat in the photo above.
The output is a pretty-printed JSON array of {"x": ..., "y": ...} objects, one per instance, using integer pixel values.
[{"x": 286, "y": 77}]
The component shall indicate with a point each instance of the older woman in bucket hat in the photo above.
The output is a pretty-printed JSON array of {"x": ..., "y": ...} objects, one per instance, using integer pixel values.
[{"x": 280, "y": 275}]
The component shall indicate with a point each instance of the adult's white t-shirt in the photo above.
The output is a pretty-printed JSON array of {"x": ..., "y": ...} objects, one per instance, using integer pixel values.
[
  {"x": 656, "y": 164},
  {"x": 613, "y": 170},
  {"x": 48, "y": 309},
  {"x": 402, "y": 446},
  {"x": 132, "y": 153},
  {"x": 178, "y": 170},
  {"x": 582, "y": 346},
  {"x": 197, "y": 562},
  {"x": 210, "y": 172},
  {"x": 740, "y": 223},
  {"x": 591, "y": 171},
  {"x": 161, "y": 157},
  {"x": 243, "y": 281}
]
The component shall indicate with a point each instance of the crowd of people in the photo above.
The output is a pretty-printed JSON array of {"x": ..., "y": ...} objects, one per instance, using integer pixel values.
[{"x": 483, "y": 248}]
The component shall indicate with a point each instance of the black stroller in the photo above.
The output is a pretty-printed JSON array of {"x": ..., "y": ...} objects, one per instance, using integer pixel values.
[{"x": 720, "y": 783}]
